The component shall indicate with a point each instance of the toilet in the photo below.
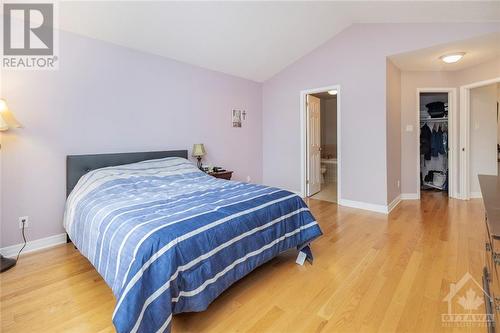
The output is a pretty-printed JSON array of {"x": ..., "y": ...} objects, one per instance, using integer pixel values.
[{"x": 323, "y": 170}]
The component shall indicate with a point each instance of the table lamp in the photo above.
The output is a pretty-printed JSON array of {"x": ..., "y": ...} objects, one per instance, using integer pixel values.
[
  {"x": 198, "y": 152},
  {"x": 7, "y": 119}
]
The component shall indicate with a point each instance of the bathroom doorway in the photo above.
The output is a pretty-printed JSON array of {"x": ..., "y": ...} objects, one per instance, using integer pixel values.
[{"x": 321, "y": 127}]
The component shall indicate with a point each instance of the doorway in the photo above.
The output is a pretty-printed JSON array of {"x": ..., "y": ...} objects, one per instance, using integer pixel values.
[
  {"x": 479, "y": 138},
  {"x": 436, "y": 153},
  {"x": 320, "y": 143}
]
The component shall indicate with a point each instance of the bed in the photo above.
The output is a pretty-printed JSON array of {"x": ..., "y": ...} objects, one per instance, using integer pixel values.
[{"x": 168, "y": 238}]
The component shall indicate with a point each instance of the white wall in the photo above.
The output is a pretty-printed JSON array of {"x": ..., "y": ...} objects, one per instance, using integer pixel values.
[{"x": 483, "y": 134}]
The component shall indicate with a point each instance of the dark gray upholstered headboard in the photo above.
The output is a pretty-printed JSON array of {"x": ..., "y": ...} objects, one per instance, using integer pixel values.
[{"x": 78, "y": 165}]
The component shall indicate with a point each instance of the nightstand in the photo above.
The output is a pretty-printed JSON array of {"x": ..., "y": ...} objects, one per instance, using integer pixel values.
[{"x": 222, "y": 174}]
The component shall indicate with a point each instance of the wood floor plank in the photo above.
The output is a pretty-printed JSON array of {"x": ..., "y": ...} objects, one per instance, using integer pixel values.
[{"x": 372, "y": 273}]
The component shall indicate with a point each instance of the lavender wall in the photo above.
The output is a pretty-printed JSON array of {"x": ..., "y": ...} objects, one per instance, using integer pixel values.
[
  {"x": 410, "y": 81},
  {"x": 498, "y": 116},
  {"x": 393, "y": 100},
  {"x": 355, "y": 59},
  {"x": 106, "y": 98}
]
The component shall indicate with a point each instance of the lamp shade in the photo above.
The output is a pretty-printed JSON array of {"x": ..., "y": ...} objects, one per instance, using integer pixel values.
[
  {"x": 198, "y": 149},
  {"x": 7, "y": 119},
  {"x": 3, "y": 124}
]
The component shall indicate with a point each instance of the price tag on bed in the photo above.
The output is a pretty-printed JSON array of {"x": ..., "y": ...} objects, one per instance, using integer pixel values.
[{"x": 301, "y": 258}]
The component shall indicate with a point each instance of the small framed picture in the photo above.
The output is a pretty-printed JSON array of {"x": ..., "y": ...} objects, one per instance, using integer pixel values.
[{"x": 236, "y": 118}]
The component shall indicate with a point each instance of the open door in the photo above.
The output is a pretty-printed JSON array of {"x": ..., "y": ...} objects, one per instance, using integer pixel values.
[{"x": 313, "y": 145}]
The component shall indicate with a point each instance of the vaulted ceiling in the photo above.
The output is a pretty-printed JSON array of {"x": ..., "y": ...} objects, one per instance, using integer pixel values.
[{"x": 253, "y": 40}]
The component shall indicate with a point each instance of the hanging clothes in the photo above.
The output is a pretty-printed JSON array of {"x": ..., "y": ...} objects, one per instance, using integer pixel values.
[
  {"x": 445, "y": 140},
  {"x": 440, "y": 144},
  {"x": 434, "y": 160},
  {"x": 425, "y": 142},
  {"x": 437, "y": 146}
]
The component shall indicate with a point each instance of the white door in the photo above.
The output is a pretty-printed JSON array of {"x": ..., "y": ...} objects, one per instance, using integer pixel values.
[
  {"x": 313, "y": 145},
  {"x": 483, "y": 135}
]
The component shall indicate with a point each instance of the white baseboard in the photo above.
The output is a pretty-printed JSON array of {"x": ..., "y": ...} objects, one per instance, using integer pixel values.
[
  {"x": 384, "y": 209},
  {"x": 475, "y": 195},
  {"x": 35, "y": 245},
  {"x": 393, "y": 204},
  {"x": 409, "y": 196},
  {"x": 363, "y": 205}
]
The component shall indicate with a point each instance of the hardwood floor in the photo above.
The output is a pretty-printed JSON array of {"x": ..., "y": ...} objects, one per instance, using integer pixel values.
[{"x": 372, "y": 272}]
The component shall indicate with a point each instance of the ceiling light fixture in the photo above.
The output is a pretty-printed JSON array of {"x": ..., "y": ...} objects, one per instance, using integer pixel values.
[
  {"x": 452, "y": 58},
  {"x": 332, "y": 92}
]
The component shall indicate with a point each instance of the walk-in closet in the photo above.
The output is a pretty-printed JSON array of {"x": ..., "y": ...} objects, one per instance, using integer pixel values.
[{"x": 434, "y": 141}]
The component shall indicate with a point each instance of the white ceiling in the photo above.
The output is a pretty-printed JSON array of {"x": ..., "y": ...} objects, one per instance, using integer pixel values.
[
  {"x": 477, "y": 50},
  {"x": 253, "y": 40}
]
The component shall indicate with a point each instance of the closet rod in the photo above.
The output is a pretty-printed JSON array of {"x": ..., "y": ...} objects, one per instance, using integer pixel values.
[{"x": 434, "y": 120}]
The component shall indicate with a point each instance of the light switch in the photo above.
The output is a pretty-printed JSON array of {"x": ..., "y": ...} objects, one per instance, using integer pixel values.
[{"x": 409, "y": 128}]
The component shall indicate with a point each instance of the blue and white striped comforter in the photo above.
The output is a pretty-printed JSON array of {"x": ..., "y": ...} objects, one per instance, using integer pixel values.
[{"x": 167, "y": 238}]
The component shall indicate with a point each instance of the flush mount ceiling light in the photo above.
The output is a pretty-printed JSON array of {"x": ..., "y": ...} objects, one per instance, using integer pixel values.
[
  {"x": 332, "y": 92},
  {"x": 452, "y": 58}
]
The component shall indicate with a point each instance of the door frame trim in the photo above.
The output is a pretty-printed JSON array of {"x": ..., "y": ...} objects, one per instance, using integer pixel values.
[
  {"x": 303, "y": 138},
  {"x": 465, "y": 134},
  {"x": 452, "y": 138}
]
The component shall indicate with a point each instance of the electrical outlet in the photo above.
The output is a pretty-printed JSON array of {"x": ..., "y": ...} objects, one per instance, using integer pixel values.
[
  {"x": 399, "y": 184},
  {"x": 249, "y": 179},
  {"x": 23, "y": 220}
]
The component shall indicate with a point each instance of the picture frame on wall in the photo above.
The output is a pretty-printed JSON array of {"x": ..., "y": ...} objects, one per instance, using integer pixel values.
[{"x": 236, "y": 118}]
